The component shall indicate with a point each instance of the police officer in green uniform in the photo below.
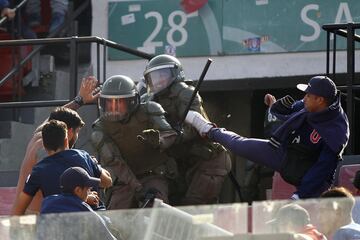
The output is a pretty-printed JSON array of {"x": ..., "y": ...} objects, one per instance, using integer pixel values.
[
  {"x": 202, "y": 164},
  {"x": 129, "y": 138}
]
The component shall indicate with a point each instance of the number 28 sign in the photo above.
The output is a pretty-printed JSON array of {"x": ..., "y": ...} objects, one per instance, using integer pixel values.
[{"x": 156, "y": 27}]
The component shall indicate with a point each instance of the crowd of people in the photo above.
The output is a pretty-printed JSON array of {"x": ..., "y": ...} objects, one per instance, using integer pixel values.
[
  {"x": 32, "y": 16},
  {"x": 145, "y": 151}
]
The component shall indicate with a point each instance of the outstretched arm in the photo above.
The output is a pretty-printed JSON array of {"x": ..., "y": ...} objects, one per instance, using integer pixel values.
[
  {"x": 105, "y": 179},
  {"x": 202, "y": 125},
  {"x": 21, "y": 204},
  {"x": 30, "y": 159}
]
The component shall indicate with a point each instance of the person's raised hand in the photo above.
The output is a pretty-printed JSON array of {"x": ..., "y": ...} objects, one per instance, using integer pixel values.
[
  {"x": 8, "y": 12},
  {"x": 89, "y": 90},
  {"x": 269, "y": 100}
]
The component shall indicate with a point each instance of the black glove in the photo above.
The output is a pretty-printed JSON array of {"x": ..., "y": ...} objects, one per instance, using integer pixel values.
[
  {"x": 146, "y": 194},
  {"x": 151, "y": 137}
]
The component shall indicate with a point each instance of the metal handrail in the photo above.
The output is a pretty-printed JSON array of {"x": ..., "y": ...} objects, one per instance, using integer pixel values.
[
  {"x": 335, "y": 26},
  {"x": 73, "y": 78},
  {"x": 89, "y": 39},
  {"x": 27, "y": 104},
  {"x": 348, "y": 31}
]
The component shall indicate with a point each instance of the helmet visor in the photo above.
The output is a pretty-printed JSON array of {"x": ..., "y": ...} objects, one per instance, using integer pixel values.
[
  {"x": 117, "y": 109},
  {"x": 159, "y": 79}
]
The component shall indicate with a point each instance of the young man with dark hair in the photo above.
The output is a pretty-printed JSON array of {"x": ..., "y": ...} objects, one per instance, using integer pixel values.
[
  {"x": 75, "y": 184},
  {"x": 73, "y": 122},
  {"x": 35, "y": 151},
  {"x": 46, "y": 174},
  {"x": 305, "y": 149},
  {"x": 292, "y": 218},
  {"x": 341, "y": 222},
  {"x": 53, "y": 134}
]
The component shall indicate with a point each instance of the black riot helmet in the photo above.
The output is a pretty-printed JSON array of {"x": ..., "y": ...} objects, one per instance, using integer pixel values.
[
  {"x": 161, "y": 71},
  {"x": 118, "y": 98}
]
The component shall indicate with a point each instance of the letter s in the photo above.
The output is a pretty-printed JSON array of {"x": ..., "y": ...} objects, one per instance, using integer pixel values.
[{"x": 310, "y": 22}]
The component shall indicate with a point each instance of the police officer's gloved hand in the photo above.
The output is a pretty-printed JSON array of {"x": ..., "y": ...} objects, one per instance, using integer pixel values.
[
  {"x": 145, "y": 195},
  {"x": 201, "y": 124},
  {"x": 151, "y": 137}
]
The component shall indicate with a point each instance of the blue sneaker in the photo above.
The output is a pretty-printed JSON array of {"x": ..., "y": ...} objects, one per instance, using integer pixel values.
[{"x": 57, "y": 20}]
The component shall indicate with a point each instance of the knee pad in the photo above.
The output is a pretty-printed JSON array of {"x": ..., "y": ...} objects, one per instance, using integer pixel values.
[
  {"x": 204, "y": 188},
  {"x": 220, "y": 164}
]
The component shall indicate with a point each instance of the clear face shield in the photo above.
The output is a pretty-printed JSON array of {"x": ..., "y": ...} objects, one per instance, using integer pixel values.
[
  {"x": 159, "y": 79},
  {"x": 117, "y": 109}
]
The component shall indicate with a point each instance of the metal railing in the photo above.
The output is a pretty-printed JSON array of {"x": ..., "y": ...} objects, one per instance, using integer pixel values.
[
  {"x": 348, "y": 31},
  {"x": 15, "y": 74},
  {"x": 74, "y": 42}
]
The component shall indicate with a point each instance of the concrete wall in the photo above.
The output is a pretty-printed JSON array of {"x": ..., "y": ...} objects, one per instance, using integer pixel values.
[{"x": 224, "y": 67}]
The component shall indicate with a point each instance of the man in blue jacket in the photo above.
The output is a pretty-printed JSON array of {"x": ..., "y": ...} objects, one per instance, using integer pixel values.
[
  {"x": 305, "y": 149},
  {"x": 75, "y": 184}
]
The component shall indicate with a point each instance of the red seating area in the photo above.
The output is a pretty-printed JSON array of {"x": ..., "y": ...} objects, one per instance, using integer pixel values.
[
  {"x": 283, "y": 190},
  {"x": 45, "y": 18},
  {"x": 346, "y": 176},
  {"x": 7, "y": 90},
  {"x": 7, "y": 197},
  {"x": 280, "y": 188},
  {"x": 14, "y": 85}
]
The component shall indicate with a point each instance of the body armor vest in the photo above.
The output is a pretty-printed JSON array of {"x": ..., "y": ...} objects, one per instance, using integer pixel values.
[
  {"x": 174, "y": 102},
  {"x": 140, "y": 157}
]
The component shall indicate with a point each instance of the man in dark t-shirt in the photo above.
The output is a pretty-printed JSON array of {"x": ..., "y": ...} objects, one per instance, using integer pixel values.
[{"x": 45, "y": 175}]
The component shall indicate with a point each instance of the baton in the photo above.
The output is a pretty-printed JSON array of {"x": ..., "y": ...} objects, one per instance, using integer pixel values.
[{"x": 196, "y": 90}]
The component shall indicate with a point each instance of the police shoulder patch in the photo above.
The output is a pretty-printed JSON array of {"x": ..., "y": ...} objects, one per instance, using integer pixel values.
[
  {"x": 154, "y": 108},
  {"x": 178, "y": 87}
]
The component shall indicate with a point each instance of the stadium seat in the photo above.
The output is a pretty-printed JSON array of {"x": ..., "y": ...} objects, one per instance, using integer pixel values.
[
  {"x": 280, "y": 188},
  {"x": 7, "y": 197},
  {"x": 346, "y": 176},
  {"x": 7, "y": 89}
]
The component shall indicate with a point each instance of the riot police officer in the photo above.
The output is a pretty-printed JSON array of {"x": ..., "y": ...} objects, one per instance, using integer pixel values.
[
  {"x": 139, "y": 168},
  {"x": 203, "y": 164}
]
